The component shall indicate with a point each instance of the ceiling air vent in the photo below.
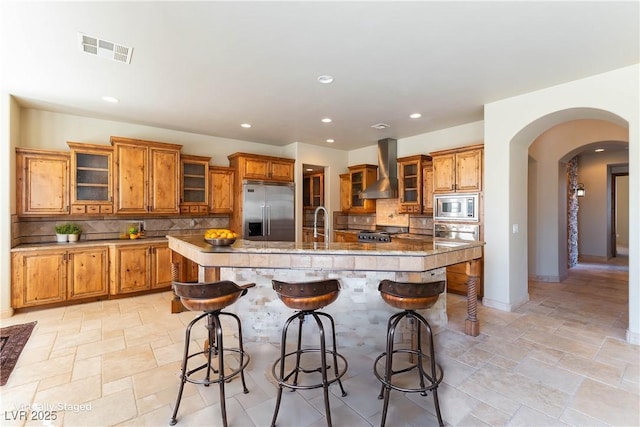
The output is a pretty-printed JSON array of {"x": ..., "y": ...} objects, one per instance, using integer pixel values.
[
  {"x": 381, "y": 126},
  {"x": 104, "y": 48}
]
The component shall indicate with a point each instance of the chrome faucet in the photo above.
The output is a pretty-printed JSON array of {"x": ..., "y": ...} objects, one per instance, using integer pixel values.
[{"x": 326, "y": 224}]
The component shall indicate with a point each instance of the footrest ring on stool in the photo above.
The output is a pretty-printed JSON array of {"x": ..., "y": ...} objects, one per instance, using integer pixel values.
[
  {"x": 330, "y": 353},
  {"x": 218, "y": 379},
  {"x": 432, "y": 382}
]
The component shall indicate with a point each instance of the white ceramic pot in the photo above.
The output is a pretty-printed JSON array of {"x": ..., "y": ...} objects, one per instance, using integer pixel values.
[
  {"x": 73, "y": 237},
  {"x": 62, "y": 238}
]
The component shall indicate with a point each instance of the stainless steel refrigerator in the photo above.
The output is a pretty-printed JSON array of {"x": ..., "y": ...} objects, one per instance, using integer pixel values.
[{"x": 268, "y": 211}]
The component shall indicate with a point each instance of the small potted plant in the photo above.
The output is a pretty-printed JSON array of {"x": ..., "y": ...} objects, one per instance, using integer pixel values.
[
  {"x": 67, "y": 232},
  {"x": 73, "y": 231},
  {"x": 61, "y": 233}
]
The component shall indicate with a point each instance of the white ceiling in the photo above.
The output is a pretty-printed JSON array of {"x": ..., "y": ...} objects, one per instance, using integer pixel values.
[{"x": 207, "y": 67}]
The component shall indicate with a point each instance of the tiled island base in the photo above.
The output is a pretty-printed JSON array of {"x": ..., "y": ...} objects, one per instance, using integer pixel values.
[{"x": 359, "y": 312}]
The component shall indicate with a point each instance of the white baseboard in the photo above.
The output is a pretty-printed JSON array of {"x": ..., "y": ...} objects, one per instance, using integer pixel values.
[
  {"x": 540, "y": 278},
  {"x": 503, "y": 306},
  {"x": 4, "y": 314},
  {"x": 633, "y": 337}
]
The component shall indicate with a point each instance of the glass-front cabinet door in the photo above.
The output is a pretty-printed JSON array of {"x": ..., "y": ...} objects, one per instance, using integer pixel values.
[
  {"x": 410, "y": 183},
  {"x": 361, "y": 176},
  {"x": 91, "y": 178}
]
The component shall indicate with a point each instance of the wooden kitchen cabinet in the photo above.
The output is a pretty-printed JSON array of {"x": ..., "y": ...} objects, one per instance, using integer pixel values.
[
  {"x": 87, "y": 273},
  {"x": 253, "y": 166},
  {"x": 313, "y": 190},
  {"x": 91, "y": 178},
  {"x": 221, "y": 181},
  {"x": 307, "y": 236},
  {"x": 140, "y": 267},
  {"x": 194, "y": 184},
  {"x": 345, "y": 192},
  {"x": 427, "y": 189},
  {"x": 42, "y": 182},
  {"x": 457, "y": 279},
  {"x": 361, "y": 176},
  {"x": 410, "y": 183},
  {"x": 58, "y": 275},
  {"x": 146, "y": 176},
  {"x": 345, "y": 236},
  {"x": 458, "y": 170}
]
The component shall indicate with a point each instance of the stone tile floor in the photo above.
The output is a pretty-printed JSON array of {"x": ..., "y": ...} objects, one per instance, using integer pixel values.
[{"x": 560, "y": 359}]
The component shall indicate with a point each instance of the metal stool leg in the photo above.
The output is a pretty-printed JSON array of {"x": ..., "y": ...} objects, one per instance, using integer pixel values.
[
  {"x": 388, "y": 372},
  {"x": 245, "y": 390},
  {"x": 335, "y": 350},
  {"x": 281, "y": 377},
  {"x": 183, "y": 371}
]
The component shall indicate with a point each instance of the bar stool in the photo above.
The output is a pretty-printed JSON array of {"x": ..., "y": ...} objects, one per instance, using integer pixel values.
[
  {"x": 307, "y": 298},
  {"x": 211, "y": 298},
  {"x": 409, "y": 297}
]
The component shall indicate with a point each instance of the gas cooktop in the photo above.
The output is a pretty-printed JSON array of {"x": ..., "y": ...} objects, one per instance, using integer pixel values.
[{"x": 373, "y": 236}]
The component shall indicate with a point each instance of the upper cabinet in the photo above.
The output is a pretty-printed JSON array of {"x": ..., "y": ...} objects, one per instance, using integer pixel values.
[
  {"x": 221, "y": 180},
  {"x": 252, "y": 166},
  {"x": 345, "y": 192},
  {"x": 410, "y": 183},
  {"x": 458, "y": 170},
  {"x": 194, "y": 171},
  {"x": 427, "y": 188},
  {"x": 146, "y": 176},
  {"x": 43, "y": 182},
  {"x": 91, "y": 178},
  {"x": 361, "y": 176},
  {"x": 313, "y": 190}
]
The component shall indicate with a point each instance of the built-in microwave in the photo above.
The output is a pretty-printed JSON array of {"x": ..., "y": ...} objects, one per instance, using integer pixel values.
[{"x": 456, "y": 207}]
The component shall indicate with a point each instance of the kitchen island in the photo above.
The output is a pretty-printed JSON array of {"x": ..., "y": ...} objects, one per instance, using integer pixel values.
[{"x": 360, "y": 313}]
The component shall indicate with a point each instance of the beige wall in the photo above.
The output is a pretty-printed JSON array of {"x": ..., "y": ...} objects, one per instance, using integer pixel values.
[{"x": 594, "y": 215}]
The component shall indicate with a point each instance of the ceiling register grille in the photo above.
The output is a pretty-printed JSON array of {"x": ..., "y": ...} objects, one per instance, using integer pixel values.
[{"x": 104, "y": 48}]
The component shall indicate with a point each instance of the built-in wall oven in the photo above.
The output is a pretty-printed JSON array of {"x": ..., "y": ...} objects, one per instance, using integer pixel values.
[
  {"x": 452, "y": 231},
  {"x": 456, "y": 207}
]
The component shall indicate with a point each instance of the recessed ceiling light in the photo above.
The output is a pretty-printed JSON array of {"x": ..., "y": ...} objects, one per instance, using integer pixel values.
[
  {"x": 110, "y": 99},
  {"x": 331, "y": 141},
  {"x": 246, "y": 125},
  {"x": 326, "y": 120},
  {"x": 415, "y": 115},
  {"x": 325, "y": 79},
  {"x": 309, "y": 169},
  {"x": 599, "y": 150}
]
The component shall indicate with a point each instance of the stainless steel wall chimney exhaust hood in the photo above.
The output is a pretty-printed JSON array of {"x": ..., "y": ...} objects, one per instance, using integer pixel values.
[{"x": 386, "y": 187}]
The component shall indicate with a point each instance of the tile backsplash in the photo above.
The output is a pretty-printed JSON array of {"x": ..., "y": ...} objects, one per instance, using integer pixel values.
[
  {"x": 42, "y": 230},
  {"x": 387, "y": 213}
]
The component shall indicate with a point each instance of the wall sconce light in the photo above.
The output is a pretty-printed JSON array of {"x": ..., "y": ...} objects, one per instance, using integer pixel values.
[{"x": 580, "y": 191}]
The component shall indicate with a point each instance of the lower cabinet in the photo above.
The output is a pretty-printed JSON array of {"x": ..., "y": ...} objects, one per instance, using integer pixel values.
[
  {"x": 55, "y": 276},
  {"x": 140, "y": 267},
  {"x": 457, "y": 280},
  {"x": 58, "y": 275},
  {"x": 307, "y": 236},
  {"x": 345, "y": 236}
]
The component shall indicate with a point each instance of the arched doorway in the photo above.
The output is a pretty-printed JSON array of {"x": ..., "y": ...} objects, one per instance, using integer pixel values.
[{"x": 548, "y": 193}]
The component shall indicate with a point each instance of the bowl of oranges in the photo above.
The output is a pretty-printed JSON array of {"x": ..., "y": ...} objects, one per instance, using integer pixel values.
[{"x": 220, "y": 236}]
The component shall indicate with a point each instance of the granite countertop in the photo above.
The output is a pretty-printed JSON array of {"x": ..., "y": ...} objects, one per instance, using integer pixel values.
[
  {"x": 87, "y": 243},
  {"x": 421, "y": 247}
]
